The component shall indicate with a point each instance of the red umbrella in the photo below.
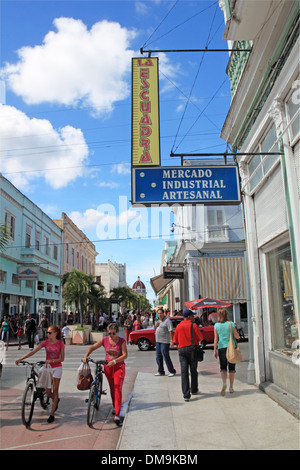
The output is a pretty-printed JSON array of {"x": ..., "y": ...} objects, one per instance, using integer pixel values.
[{"x": 206, "y": 303}]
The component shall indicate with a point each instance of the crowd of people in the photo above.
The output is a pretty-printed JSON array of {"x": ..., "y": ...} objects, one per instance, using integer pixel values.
[{"x": 186, "y": 336}]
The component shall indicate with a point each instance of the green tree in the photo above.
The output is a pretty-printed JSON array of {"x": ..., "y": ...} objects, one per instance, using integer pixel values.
[{"x": 76, "y": 289}]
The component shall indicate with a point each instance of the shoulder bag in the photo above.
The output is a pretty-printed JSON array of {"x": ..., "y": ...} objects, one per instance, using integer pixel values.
[
  {"x": 198, "y": 350},
  {"x": 233, "y": 353}
]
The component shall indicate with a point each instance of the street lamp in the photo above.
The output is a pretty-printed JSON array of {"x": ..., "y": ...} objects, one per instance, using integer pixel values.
[{"x": 172, "y": 229}]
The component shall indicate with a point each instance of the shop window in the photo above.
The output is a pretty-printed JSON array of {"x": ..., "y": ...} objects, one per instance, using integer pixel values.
[{"x": 284, "y": 319}]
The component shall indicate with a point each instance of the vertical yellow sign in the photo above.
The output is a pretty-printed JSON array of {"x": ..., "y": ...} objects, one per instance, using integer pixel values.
[{"x": 145, "y": 142}]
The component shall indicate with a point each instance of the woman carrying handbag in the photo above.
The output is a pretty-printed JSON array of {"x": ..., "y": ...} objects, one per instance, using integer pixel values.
[{"x": 222, "y": 337}]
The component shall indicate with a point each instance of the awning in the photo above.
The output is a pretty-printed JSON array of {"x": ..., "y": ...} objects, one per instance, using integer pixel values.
[
  {"x": 158, "y": 283},
  {"x": 223, "y": 278}
]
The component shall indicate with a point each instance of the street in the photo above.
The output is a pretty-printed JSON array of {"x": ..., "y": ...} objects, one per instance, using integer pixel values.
[{"x": 69, "y": 430}]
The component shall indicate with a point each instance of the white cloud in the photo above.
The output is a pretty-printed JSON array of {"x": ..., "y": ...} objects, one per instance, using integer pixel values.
[
  {"x": 75, "y": 66},
  {"x": 108, "y": 184},
  {"x": 31, "y": 148},
  {"x": 121, "y": 168},
  {"x": 105, "y": 215}
]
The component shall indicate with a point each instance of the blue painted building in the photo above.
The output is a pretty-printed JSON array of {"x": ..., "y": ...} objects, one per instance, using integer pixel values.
[{"x": 30, "y": 266}]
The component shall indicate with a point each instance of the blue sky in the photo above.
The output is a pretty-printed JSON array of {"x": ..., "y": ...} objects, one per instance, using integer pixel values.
[{"x": 65, "y": 118}]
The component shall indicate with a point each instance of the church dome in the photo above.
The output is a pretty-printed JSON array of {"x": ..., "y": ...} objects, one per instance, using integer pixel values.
[{"x": 139, "y": 286}]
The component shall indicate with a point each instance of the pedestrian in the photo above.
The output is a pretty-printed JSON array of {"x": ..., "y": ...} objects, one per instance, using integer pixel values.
[
  {"x": 187, "y": 358},
  {"x": 55, "y": 355},
  {"x": 221, "y": 340},
  {"x": 137, "y": 324},
  {"x": 66, "y": 332},
  {"x": 29, "y": 330},
  {"x": 44, "y": 323},
  {"x": 116, "y": 353},
  {"x": 5, "y": 327},
  {"x": 164, "y": 339},
  {"x": 128, "y": 328}
]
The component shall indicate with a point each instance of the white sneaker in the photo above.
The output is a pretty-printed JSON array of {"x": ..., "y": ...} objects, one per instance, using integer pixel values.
[
  {"x": 231, "y": 390},
  {"x": 172, "y": 374}
]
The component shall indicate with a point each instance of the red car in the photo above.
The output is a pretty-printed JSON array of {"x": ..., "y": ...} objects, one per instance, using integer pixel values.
[{"x": 145, "y": 338}]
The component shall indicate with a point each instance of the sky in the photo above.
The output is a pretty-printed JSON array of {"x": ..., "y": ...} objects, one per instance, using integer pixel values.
[{"x": 65, "y": 112}]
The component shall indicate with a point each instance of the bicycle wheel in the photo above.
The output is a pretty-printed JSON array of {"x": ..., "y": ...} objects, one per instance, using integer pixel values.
[
  {"x": 28, "y": 400},
  {"x": 92, "y": 405},
  {"x": 99, "y": 392}
]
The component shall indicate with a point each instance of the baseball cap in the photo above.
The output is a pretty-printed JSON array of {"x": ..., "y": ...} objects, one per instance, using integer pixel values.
[{"x": 188, "y": 312}]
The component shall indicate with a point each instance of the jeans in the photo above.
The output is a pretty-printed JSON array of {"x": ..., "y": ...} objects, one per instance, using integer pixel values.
[
  {"x": 30, "y": 336},
  {"x": 162, "y": 353},
  {"x": 188, "y": 361}
]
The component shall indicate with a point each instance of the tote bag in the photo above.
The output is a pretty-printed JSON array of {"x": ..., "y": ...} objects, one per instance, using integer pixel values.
[{"x": 233, "y": 353}]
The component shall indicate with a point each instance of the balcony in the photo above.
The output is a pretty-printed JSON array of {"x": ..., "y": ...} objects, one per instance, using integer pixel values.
[{"x": 217, "y": 234}]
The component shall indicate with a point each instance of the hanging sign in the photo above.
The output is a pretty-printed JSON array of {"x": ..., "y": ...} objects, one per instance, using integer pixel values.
[
  {"x": 145, "y": 141},
  {"x": 173, "y": 272},
  {"x": 217, "y": 185}
]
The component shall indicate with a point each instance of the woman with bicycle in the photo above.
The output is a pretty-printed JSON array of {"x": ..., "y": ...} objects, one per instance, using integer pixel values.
[
  {"x": 55, "y": 355},
  {"x": 116, "y": 353}
]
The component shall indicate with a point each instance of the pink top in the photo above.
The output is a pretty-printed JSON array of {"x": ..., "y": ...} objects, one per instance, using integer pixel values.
[
  {"x": 112, "y": 351},
  {"x": 53, "y": 351}
]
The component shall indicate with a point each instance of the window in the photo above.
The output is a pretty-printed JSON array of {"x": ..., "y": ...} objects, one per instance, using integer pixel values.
[
  {"x": 37, "y": 240},
  {"x": 259, "y": 165},
  {"x": 47, "y": 246},
  {"x": 55, "y": 252},
  {"x": 10, "y": 222},
  {"x": 2, "y": 276},
  {"x": 40, "y": 285},
  {"x": 73, "y": 257},
  {"x": 28, "y": 236},
  {"x": 284, "y": 322},
  {"x": 49, "y": 287},
  {"x": 67, "y": 253},
  {"x": 15, "y": 279}
]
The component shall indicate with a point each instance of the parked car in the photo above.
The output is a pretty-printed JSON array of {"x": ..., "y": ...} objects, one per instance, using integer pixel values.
[{"x": 145, "y": 339}]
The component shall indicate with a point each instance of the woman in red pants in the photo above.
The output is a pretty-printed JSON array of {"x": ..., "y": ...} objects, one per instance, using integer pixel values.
[{"x": 116, "y": 353}]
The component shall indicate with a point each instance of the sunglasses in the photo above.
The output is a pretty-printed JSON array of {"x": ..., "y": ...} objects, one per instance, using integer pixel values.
[
  {"x": 49, "y": 332},
  {"x": 112, "y": 334}
]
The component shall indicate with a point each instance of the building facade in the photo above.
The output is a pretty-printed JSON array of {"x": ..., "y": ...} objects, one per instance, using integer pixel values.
[
  {"x": 211, "y": 249},
  {"x": 262, "y": 125},
  {"x": 31, "y": 264},
  {"x": 78, "y": 252},
  {"x": 108, "y": 276}
]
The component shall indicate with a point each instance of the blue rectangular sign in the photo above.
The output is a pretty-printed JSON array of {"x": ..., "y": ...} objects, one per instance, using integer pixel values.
[{"x": 186, "y": 185}]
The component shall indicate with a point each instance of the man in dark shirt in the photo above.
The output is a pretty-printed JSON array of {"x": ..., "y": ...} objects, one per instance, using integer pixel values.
[
  {"x": 29, "y": 330},
  {"x": 187, "y": 358}
]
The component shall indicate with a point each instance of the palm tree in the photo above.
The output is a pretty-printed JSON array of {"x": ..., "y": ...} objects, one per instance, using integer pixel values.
[{"x": 76, "y": 289}]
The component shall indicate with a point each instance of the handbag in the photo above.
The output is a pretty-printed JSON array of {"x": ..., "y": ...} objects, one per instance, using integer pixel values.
[
  {"x": 233, "y": 353},
  {"x": 85, "y": 377},
  {"x": 197, "y": 350}
]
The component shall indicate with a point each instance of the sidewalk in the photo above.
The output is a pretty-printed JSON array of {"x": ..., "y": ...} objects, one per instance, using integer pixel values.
[{"x": 159, "y": 419}]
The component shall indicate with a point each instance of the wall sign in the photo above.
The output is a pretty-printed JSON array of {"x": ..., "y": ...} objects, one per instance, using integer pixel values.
[{"x": 186, "y": 185}]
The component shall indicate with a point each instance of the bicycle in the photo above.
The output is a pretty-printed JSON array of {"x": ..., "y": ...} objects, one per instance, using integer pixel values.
[
  {"x": 32, "y": 393},
  {"x": 96, "y": 390}
]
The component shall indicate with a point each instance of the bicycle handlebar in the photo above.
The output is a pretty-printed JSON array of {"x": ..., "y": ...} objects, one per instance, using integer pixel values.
[
  {"x": 89, "y": 359},
  {"x": 24, "y": 363}
]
